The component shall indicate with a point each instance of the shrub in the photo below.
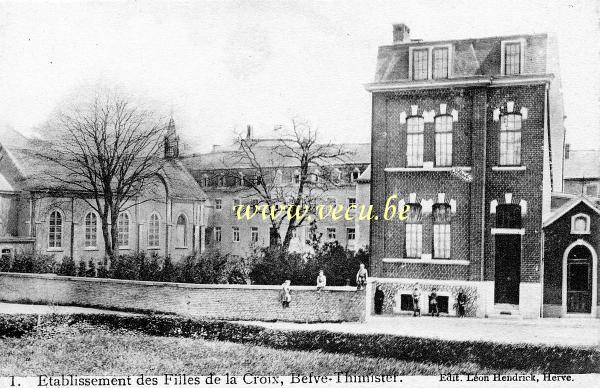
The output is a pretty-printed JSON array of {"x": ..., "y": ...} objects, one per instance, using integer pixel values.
[
  {"x": 274, "y": 266},
  {"x": 496, "y": 356},
  {"x": 16, "y": 325},
  {"x": 82, "y": 269},
  {"x": 168, "y": 272},
  {"x": 338, "y": 263},
  {"x": 27, "y": 262},
  {"x": 126, "y": 266},
  {"x": 67, "y": 267}
]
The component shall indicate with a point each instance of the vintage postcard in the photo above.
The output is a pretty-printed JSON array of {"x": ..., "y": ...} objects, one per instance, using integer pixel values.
[{"x": 299, "y": 193}]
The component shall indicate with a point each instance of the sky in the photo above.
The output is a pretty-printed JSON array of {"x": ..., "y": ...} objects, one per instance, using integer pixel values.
[{"x": 216, "y": 66}]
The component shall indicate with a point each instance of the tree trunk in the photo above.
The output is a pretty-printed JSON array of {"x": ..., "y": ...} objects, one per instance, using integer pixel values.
[
  {"x": 114, "y": 231},
  {"x": 106, "y": 236},
  {"x": 285, "y": 246}
]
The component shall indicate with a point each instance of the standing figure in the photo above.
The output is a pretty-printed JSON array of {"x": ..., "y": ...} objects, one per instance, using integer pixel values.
[
  {"x": 285, "y": 294},
  {"x": 361, "y": 277},
  {"x": 379, "y": 296},
  {"x": 321, "y": 281},
  {"x": 415, "y": 299},
  {"x": 461, "y": 301},
  {"x": 433, "y": 303}
]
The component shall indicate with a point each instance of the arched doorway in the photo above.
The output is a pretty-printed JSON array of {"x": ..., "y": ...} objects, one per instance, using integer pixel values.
[{"x": 579, "y": 279}]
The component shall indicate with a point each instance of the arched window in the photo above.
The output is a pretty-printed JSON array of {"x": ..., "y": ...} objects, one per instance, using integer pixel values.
[
  {"x": 441, "y": 230},
  {"x": 123, "y": 230},
  {"x": 414, "y": 232},
  {"x": 154, "y": 231},
  {"x": 181, "y": 231},
  {"x": 91, "y": 230},
  {"x": 510, "y": 139},
  {"x": 414, "y": 141},
  {"x": 55, "y": 230},
  {"x": 443, "y": 140},
  {"x": 508, "y": 216},
  {"x": 580, "y": 224}
]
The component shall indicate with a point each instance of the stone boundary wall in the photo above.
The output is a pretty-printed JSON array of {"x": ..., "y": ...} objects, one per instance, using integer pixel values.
[{"x": 211, "y": 301}]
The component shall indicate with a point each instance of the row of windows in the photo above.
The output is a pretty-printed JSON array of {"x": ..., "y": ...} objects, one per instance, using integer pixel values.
[
  {"x": 437, "y": 67},
  {"x": 510, "y": 140},
  {"x": 91, "y": 228},
  {"x": 441, "y": 214},
  {"x": 350, "y": 201},
  {"x": 254, "y": 235},
  {"x": 315, "y": 176}
]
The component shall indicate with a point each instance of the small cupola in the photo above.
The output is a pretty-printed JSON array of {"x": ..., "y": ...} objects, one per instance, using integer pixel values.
[{"x": 171, "y": 141}]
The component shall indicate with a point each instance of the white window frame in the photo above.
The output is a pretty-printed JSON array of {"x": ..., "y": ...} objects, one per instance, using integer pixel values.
[
  {"x": 181, "y": 244},
  {"x": 443, "y": 134},
  {"x": 501, "y": 144},
  {"x": 254, "y": 235},
  {"x": 204, "y": 180},
  {"x": 235, "y": 232},
  {"x": 59, "y": 246},
  {"x": 150, "y": 227},
  {"x": 236, "y": 202},
  {"x": 414, "y": 231},
  {"x": 119, "y": 240},
  {"x": 218, "y": 203},
  {"x": 350, "y": 231},
  {"x": 331, "y": 232},
  {"x": 420, "y": 151},
  {"x": 430, "y": 61},
  {"x": 91, "y": 247},
  {"x": 587, "y": 224},
  {"x": 218, "y": 234},
  {"x": 521, "y": 41}
]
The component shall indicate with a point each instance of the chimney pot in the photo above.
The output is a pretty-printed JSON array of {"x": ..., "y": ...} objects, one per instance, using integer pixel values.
[{"x": 401, "y": 33}]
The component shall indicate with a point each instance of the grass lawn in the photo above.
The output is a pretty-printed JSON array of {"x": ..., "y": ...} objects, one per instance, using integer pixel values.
[{"x": 89, "y": 350}]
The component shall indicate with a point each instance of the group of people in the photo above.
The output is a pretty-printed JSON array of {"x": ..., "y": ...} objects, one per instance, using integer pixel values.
[
  {"x": 361, "y": 284},
  {"x": 461, "y": 301},
  {"x": 285, "y": 294}
]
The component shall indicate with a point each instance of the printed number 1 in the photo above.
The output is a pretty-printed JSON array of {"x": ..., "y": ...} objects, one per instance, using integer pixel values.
[{"x": 12, "y": 381}]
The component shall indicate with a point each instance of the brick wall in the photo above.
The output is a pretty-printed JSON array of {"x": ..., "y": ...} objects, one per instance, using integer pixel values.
[{"x": 215, "y": 301}]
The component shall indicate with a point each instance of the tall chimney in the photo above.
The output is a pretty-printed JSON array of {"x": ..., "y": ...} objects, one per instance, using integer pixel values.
[
  {"x": 249, "y": 132},
  {"x": 401, "y": 33}
]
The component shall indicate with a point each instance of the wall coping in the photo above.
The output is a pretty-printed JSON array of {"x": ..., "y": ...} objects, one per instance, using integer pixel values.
[{"x": 174, "y": 285}]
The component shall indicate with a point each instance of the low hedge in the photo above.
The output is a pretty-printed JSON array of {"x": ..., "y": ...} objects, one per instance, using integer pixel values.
[{"x": 535, "y": 358}]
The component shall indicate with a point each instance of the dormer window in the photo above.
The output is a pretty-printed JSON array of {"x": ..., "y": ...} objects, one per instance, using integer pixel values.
[
  {"x": 580, "y": 224},
  {"x": 420, "y": 64},
  {"x": 440, "y": 62},
  {"x": 512, "y": 57},
  {"x": 429, "y": 62}
]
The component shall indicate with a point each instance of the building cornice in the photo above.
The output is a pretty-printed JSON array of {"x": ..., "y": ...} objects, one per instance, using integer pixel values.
[{"x": 490, "y": 81}]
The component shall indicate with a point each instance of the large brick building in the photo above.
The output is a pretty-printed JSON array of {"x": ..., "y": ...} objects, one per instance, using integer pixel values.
[{"x": 470, "y": 134}]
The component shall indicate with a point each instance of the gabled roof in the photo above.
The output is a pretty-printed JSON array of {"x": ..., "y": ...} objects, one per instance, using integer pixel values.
[
  {"x": 583, "y": 164},
  {"x": 32, "y": 171},
  {"x": 365, "y": 177},
  {"x": 562, "y": 210}
]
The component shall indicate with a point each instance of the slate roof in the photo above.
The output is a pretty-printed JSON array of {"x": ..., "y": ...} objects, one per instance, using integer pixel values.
[
  {"x": 569, "y": 204},
  {"x": 33, "y": 170},
  {"x": 582, "y": 164},
  {"x": 470, "y": 57},
  {"x": 358, "y": 153}
]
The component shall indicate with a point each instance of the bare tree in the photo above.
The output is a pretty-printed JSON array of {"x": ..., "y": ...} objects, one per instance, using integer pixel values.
[
  {"x": 313, "y": 165},
  {"x": 107, "y": 153}
]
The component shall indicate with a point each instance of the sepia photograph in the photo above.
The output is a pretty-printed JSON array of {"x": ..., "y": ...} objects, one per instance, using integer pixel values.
[{"x": 299, "y": 193}]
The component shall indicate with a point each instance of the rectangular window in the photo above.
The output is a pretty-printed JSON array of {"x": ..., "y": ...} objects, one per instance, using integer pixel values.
[
  {"x": 217, "y": 233},
  {"x": 420, "y": 65},
  {"x": 208, "y": 236},
  {"x": 254, "y": 234},
  {"x": 351, "y": 234},
  {"x": 406, "y": 302},
  {"x": 414, "y": 232},
  {"x": 443, "y": 140},
  {"x": 510, "y": 140},
  {"x": 236, "y": 203},
  {"x": 414, "y": 141},
  {"x": 236, "y": 234},
  {"x": 351, "y": 201},
  {"x": 441, "y": 241},
  {"x": 440, "y": 62},
  {"x": 218, "y": 204},
  {"x": 512, "y": 58},
  {"x": 331, "y": 234}
]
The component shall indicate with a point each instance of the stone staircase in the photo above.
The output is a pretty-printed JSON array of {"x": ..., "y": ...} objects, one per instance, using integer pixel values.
[{"x": 505, "y": 311}]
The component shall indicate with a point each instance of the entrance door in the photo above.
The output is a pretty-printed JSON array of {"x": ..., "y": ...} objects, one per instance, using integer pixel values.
[
  {"x": 579, "y": 280},
  {"x": 507, "y": 269}
]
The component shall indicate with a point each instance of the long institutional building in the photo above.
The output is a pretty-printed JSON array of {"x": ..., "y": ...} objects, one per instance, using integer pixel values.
[{"x": 468, "y": 132}]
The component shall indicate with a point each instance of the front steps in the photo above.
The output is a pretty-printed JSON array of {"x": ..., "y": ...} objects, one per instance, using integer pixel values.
[{"x": 505, "y": 311}]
